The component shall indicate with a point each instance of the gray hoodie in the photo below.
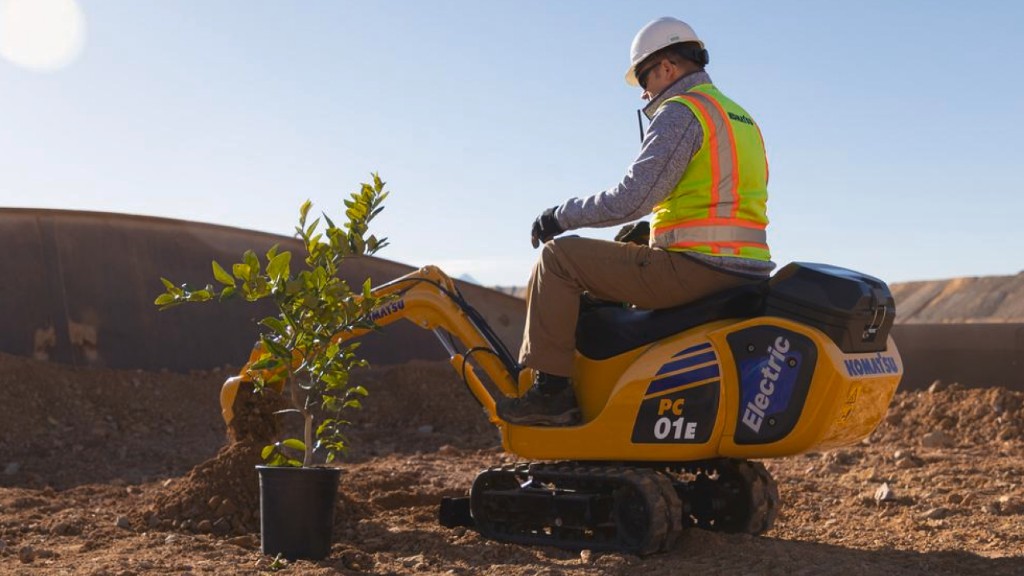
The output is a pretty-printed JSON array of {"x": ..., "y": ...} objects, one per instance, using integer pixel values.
[{"x": 672, "y": 139}]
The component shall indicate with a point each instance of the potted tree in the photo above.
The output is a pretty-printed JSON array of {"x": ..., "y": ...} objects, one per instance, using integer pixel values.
[{"x": 299, "y": 355}]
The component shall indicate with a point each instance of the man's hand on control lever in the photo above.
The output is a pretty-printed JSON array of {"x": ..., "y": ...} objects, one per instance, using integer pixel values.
[{"x": 545, "y": 227}]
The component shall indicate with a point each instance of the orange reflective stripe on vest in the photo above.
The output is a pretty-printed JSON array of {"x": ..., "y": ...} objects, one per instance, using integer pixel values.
[{"x": 722, "y": 147}]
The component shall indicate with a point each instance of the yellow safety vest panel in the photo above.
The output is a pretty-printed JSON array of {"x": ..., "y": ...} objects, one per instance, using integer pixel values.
[{"x": 719, "y": 206}]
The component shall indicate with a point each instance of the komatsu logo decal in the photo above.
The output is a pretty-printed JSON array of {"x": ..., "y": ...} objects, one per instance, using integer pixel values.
[
  {"x": 767, "y": 384},
  {"x": 872, "y": 366},
  {"x": 387, "y": 309}
]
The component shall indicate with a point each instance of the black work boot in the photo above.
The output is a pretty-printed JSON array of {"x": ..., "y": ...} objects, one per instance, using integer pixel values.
[{"x": 549, "y": 402}]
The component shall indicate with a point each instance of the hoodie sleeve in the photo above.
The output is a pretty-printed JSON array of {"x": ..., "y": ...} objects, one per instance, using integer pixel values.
[{"x": 673, "y": 138}]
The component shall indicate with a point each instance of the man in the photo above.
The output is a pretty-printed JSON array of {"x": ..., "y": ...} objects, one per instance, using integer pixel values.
[{"x": 702, "y": 175}]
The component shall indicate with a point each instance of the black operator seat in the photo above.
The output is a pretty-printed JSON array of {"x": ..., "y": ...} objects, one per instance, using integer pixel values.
[{"x": 605, "y": 330}]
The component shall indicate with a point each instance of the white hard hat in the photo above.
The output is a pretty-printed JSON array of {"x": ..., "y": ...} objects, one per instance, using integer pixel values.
[{"x": 655, "y": 36}]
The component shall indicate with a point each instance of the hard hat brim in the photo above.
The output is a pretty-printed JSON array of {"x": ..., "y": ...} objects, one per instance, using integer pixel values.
[{"x": 631, "y": 78}]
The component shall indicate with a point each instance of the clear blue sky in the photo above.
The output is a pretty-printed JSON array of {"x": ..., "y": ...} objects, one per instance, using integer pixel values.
[{"x": 893, "y": 128}]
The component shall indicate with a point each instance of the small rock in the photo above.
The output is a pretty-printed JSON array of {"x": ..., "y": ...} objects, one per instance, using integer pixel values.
[
  {"x": 447, "y": 450},
  {"x": 204, "y": 526},
  {"x": 1009, "y": 433},
  {"x": 908, "y": 463},
  {"x": 955, "y": 498},
  {"x": 153, "y": 521},
  {"x": 936, "y": 439},
  {"x": 167, "y": 482},
  {"x": 26, "y": 554},
  {"x": 412, "y": 561},
  {"x": 585, "y": 556},
  {"x": 214, "y": 502},
  {"x": 246, "y": 541},
  {"x": 834, "y": 468},
  {"x": 937, "y": 386},
  {"x": 222, "y": 526},
  {"x": 226, "y": 508},
  {"x": 12, "y": 468},
  {"x": 171, "y": 538},
  {"x": 1008, "y": 505},
  {"x": 123, "y": 522},
  {"x": 885, "y": 493},
  {"x": 936, "y": 514},
  {"x": 425, "y": 429}
]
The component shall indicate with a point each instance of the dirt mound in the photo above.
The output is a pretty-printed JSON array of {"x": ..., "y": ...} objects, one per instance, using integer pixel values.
[
  {"x": 969, "y": 299},
  {"x": 948, "y": 415},
  {"x": 65, "y": 426},
  {"x": 110, "y": 489}
]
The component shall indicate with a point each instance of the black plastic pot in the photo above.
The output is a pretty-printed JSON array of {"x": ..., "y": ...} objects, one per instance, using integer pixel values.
[{"x": 297, "y": 510}]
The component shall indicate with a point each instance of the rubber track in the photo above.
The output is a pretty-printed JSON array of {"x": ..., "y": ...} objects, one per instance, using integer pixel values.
[
  {"x": 624, "y": 509},
  {"x": 727, "y": 495}
]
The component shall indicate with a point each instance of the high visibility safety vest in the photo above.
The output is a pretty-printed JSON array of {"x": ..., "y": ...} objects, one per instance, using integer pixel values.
[{"x": 719, "y": 206}]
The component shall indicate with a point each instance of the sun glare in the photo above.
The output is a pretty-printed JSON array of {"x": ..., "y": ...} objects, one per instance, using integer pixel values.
[{"x": 41, "y": 35}]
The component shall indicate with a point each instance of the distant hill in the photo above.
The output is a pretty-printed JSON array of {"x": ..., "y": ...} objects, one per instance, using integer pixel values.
[
  {"x": 517, "y": 291},
  {"x": 985, "y": 299}
]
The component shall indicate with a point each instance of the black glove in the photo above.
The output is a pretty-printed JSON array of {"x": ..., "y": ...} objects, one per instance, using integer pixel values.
[
  {"x": 638, "y": 233},
  {"x": 545, "y": 227}
]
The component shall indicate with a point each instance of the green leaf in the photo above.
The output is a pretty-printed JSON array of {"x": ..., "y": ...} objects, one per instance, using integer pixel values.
[
  {"x": 164, "y": 299},
  {"x": 199, "y": 296},
  {"x": 277, "y": 349},
  {"x": 278, "y": 267},
  {"x": 168, "y": 284},
  {"x": 222, "y": 276},
  {"x": 276, "y": 324},
  {"x": 294, "y": 444},
  {"x": 252, "y": 261},
  {"x": 241, "y": 271}
]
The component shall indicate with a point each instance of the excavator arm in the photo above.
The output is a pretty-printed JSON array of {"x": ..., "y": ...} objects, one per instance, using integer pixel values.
[{"x": 429, "y": 299}]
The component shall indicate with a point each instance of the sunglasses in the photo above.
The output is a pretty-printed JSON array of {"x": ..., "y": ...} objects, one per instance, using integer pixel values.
[{"x": 641, "y": 77}]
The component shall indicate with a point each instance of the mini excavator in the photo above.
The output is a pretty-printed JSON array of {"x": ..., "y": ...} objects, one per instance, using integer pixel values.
[{"x": 677, "y": 405}]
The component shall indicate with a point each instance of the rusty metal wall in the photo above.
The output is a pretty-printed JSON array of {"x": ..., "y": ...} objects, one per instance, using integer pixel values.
[
  {"x": 78, "y": 288},
  {"x": 975, "y": 355}
]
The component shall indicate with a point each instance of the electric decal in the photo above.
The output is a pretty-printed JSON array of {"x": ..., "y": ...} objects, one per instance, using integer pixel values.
[
  {"x": 775, "y": 367},
  {"x": 681, "y": 401}
]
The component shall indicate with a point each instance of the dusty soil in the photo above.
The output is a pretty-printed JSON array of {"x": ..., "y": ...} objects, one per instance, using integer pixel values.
[{"x": 108, "y": 472}]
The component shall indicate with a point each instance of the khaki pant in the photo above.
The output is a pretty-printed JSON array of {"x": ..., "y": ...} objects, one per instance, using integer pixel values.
[{"x": 649, "y": 278}]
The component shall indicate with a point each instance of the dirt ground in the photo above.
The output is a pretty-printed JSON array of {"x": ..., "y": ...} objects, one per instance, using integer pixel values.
[{"x": 107, "y": 472}]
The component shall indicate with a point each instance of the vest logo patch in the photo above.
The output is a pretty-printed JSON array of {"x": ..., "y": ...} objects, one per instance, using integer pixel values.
[{"x": 744, "y": 119}]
